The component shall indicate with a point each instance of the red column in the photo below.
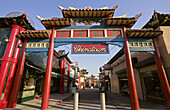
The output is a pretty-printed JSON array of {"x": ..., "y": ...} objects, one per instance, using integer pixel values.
[
  {"x": 11, "y": 74},
  {"x": 47, "y": 84},
  {"x": 84, "y": 83},
  {"x": 18, "y": 77},
  {"x": 162, "y": 75},
  {"x": 130, "y": 72},
  {"x": 68, "y": 90},
  {"x": 79, "y": 84},
  {"x": 7, "y": 58},
  {"x": 62, "y": 72}
]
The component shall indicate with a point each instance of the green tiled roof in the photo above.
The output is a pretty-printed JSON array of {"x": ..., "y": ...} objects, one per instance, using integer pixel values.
[
  {"x": 6, "y": 22},
  {"x": 158, "y": 20}
]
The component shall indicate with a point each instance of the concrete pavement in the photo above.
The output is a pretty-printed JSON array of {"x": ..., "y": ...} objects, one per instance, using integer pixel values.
[
  {"x": 123, "y": 102},
  {"x": 35, "y": 104},
  {"x": 88, "y": 100}
]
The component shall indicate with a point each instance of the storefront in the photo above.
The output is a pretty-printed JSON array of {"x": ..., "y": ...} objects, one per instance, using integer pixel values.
[
  {"x": 34, "y": 74},
  {"x": 152, "y": 87},
  {"x": 146, "y": 76}
]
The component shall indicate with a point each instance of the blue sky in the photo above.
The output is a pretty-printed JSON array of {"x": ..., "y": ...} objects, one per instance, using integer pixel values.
[{"x": 49, "y": 9}]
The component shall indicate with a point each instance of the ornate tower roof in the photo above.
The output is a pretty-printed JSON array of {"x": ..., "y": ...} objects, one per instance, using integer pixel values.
[
  {"x": 88, "y": 12},
  {"x": 7, "y": 22},
  {"x": 158, "y": 20}
]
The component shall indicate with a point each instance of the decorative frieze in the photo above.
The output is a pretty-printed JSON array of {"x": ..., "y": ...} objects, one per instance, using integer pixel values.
[
  {"x": 140, "y": 44},
  {"x": 38, "y": 45}
]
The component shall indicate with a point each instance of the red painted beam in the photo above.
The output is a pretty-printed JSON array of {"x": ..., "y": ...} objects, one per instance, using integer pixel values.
[
  {"x": 47, "y": 83},
  {"x": 7, "y": 58},
  {"x": 18, "y": 77},
  {"x": 162, "y": 75},
  {"x": 131, "y": 79}
]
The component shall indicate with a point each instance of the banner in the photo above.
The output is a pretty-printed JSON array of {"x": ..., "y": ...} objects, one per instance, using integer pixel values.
[{"x": 90, "y": 48}]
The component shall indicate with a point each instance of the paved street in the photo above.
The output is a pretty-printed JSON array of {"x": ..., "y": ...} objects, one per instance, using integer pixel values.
[{"x": 88, "y": 100}]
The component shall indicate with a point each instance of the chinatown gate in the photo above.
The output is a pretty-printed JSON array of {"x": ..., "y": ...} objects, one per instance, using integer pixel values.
[{"x": 84, "y": 39}]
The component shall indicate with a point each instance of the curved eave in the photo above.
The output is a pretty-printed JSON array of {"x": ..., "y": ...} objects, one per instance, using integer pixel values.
[
  {"x": 143, "y": 33},
  {"x": 35, "y": 34},
  {"x": 128, "y": 22},
  {"x": 7, "y": 22},
  {"x": 56, "y": 54},
  {"x": 66, "y": 57},
  {"x": 61, "y": 22},
  {"x": 88, "y": 13},
  {"x": 163, "y": 20}
]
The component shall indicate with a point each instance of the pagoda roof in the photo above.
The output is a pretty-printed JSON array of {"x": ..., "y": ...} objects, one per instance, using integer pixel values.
[
  {"x": 158, "y": 20},
  {"x": 62, "y": 22},
  {"x": 36, "y": 34},
  {"x": 143, "y": 33},
  {"x": 7, "y": 22},
  {"x": 88, "y": 12},
  {"x": 121, "y": 21}
]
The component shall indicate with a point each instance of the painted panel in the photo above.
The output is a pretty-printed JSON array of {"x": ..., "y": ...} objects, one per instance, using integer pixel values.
[
  {"x": 114, "y": 33},
  {"x": 80, "y": 33},
  {"x": 89, "y": 48},
  {"x": 96, "y": 33},
  {"x": 63, "y": 34}
]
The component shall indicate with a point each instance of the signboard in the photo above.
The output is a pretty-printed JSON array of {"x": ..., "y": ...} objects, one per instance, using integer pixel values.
[{"x": 90, "y": 48}]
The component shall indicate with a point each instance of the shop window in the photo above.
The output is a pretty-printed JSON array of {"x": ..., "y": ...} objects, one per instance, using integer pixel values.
[
  {"x": 37, "y": 59},
  {"x": 4, "y": 34},
  {"x": 152, "y": 84}
]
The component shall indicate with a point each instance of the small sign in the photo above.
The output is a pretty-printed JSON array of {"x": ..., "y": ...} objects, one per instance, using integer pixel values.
[{"x": 90, "y": 48}]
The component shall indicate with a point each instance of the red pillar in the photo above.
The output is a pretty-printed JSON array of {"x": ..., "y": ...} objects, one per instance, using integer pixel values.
[
  {"x": 18, "y": 77},
  {"x": 47, "y": 84},
  {"x": 68, "y": 89},
  {"x": 162, "y": 75},
  {"x": 62, "y": 71},
  {"x": 84, "y": 83},
  {"x": 11, "y": 74},
  {"x": 130, "y": 72},
  {"x": 79, "y": 84},
  {"x": 7, "y": 58}
]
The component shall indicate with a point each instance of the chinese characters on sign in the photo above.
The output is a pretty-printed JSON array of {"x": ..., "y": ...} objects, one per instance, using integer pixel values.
[{"x": 89, "y": 48}]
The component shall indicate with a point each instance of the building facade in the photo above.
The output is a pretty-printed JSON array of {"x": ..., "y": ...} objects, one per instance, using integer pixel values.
[{"x": 144, "y": 64}]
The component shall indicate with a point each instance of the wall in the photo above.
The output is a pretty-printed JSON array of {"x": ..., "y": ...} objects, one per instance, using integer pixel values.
[
  {"x": 164, "y": 45},
  {"x": 114, "y": 77},
  {"x": 114, "y": 83},
  {"x": 119, "y": 65}
]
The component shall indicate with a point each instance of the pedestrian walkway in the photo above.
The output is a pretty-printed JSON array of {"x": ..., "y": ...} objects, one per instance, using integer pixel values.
[
  {"x": 123, "y": 102},
  {"x": 88, "y": 100},
  {"x": 35, "y": 104}
]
